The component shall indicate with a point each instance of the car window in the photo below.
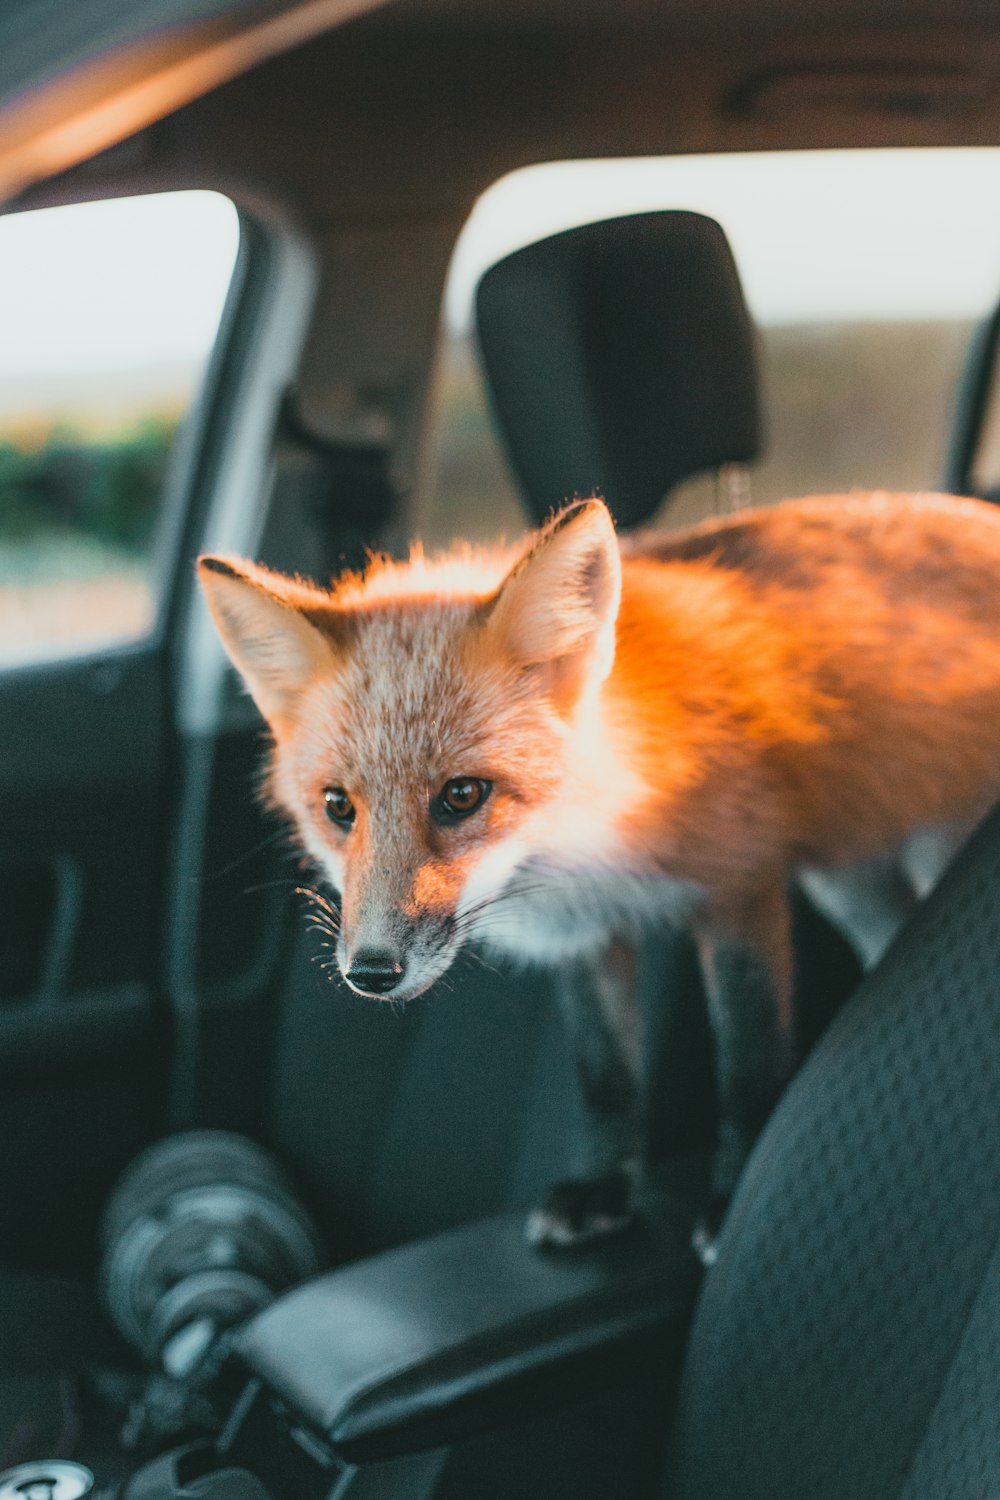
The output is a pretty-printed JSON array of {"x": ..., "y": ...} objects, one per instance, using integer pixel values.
[
  {"x": 108, "y": 313},
  {"x": 865, "y": 272}
]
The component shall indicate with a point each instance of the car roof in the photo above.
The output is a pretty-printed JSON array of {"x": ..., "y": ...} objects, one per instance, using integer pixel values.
[{"x": 479, "y": 89}]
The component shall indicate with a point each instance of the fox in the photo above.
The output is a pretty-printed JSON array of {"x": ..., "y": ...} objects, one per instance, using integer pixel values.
[{"x": 549, "y": 749}]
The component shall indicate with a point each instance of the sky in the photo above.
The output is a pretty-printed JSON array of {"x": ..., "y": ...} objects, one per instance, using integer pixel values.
[
  {"x": 818, "y": 236},
  {"x": 124, "y": 284}
]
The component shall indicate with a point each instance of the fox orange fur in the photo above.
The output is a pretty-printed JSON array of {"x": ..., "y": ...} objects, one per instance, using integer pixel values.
[{"x": 547, "y": 749}]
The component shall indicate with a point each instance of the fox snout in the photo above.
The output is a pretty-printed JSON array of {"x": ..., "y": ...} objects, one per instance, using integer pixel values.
[
  {"x": 375, "y": 972},
  {"x": 390, "y": 950},
  {"x": 395, "y": 972}
]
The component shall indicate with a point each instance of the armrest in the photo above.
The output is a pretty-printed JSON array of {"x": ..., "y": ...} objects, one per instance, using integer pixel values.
[{"x": 425, "y": 1345}]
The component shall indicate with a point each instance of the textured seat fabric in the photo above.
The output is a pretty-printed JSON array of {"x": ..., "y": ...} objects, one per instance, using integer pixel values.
[{"x": 847, "y": 1342}]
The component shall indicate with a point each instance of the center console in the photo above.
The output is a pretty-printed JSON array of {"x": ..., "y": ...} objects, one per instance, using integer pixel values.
[
  {"x": 426, "y": 1346},
  {"x": 377, "y": 1368}
]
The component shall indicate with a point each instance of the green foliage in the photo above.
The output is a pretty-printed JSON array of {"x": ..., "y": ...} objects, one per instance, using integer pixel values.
[{"x": 106, "y": 491}]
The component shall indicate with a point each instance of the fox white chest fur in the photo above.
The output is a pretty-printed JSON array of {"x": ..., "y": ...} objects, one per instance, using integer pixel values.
[{"x": 549, "y": 913}]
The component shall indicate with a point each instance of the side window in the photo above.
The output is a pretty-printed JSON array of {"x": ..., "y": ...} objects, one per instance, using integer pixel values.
[
  {"x": 473, "y": 494},
  {"x": 865, "y": 272},
  {"x": 108, "y": 313}
]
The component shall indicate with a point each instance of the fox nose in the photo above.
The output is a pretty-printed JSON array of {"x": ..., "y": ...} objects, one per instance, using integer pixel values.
[{"x": 375, "y": 971}]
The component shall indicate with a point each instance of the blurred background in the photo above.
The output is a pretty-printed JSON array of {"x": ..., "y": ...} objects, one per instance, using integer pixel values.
[{"x": 109, "y": 312}]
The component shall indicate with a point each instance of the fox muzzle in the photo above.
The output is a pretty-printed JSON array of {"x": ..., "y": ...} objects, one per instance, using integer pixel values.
[{"x": 375, "y": 971}]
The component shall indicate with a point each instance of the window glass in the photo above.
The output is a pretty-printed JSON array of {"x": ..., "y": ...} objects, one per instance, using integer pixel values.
[
  {"x": 865, "y": 272},
  {"x": 108, "y": 313}
]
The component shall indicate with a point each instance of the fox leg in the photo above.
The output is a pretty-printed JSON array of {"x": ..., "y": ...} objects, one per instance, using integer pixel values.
[
  {"x": 746, "y": 958},
  {"x": 600, "y": 1003}
]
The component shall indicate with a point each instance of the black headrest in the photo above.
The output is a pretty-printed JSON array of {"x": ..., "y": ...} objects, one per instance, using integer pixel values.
[{"x": 620, "y": 359}]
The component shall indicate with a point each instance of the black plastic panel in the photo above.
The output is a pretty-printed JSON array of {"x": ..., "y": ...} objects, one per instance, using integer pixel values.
[
  {"x": 424, "y": 1346},
  {"x": 83, "y": 1039}
]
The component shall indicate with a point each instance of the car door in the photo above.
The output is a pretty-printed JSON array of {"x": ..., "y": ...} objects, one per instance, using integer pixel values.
[{"x": 117, "y": 319}]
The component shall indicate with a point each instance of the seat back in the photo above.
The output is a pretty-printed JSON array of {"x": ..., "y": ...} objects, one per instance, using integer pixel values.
[
  {"x": 845, "y": 1344},
  {"x": 620, "y": 358}
]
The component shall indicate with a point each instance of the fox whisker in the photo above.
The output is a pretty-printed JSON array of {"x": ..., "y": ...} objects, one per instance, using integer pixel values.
[
  {"x": 477, "y": 958},
  {"x": 276, "y": 836},
  {"x": 509, "y": 894},
  {"x": 269, "y": 885},
  {"x": 324, "y": 916}
]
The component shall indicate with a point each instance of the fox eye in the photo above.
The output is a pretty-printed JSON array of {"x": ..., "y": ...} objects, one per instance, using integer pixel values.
[
  {"x": 339, "y": 807},
  {"x": 460, "y": 797}
]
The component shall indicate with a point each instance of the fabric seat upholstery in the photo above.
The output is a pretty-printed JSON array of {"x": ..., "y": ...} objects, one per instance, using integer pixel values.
[{"x": 845, "y": 1346}]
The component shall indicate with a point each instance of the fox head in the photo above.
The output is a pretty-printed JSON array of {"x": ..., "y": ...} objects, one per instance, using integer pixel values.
[{"x": 425, "y": 721}]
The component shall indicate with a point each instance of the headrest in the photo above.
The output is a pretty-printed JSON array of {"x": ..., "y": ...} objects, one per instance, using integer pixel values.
[{"x": 620, "y": 359}]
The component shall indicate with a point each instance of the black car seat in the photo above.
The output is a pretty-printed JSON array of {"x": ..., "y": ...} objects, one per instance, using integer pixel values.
[{"x": 845, "y": 1344}]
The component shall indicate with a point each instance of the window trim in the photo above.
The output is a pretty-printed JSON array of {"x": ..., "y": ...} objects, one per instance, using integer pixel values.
[{"x": 229, "y": 489}]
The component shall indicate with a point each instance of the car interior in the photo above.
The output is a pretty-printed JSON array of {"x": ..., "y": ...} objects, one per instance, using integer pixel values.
[{"x": 262, "y": 1239}]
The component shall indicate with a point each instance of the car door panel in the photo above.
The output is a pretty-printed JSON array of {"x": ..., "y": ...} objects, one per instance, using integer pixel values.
[{"x": 82, "y": 829}]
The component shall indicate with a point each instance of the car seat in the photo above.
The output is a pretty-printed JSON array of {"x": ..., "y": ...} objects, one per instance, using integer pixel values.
[{"x": 845, "y": 1345}]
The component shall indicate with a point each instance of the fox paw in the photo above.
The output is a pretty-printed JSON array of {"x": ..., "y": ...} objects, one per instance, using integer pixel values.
[{"x": 576, "y": 1213}]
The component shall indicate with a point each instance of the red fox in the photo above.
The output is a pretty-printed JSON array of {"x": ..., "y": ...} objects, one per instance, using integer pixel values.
[{"x": 548, "y": 749}]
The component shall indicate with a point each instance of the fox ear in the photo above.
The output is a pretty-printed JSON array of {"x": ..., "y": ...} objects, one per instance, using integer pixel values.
[
  {"x": 270, "y": 642},
  {"x": 559, "y": 603}
]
